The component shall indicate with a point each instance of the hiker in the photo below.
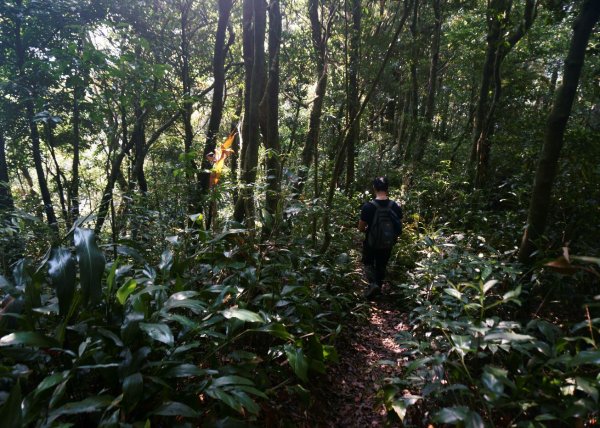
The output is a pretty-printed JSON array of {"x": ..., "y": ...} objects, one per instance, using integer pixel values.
[{"x": 381, "y": 219}]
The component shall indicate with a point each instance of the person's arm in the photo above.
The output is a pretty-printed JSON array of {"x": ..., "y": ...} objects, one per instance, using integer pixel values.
[{"x": 362, "y": 225}]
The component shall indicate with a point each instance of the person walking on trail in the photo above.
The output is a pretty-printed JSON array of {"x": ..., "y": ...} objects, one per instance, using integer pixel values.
[{"x": 381, "y": 220}]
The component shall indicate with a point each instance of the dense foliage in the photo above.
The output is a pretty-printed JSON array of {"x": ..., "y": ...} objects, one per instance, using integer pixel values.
[{"x": 151, "y": 274}]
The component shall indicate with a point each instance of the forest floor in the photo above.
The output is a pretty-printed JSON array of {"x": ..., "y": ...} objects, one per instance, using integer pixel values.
[{"x": 368, "y": 354}]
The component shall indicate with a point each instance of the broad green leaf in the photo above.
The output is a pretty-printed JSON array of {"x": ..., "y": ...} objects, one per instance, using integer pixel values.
[
  {"x": 91, "y": 265},
  {"x": 247, "y": 402},
  {"x": 219, "y": 394},
  {"x": 133, "y": 388},
  {"x": 166, "y": 261},
  {"x": 183, "y": 300},
  {"x": 125, "y": 290},
  {"x": 88, "y": 405},
  {"x": 29, "y": 338},
  {"x": 590, "y": 388},
  {"x": 473, "y": 420},
  {"x": 185, "y": 370},
  {"x": 11, "y": 414},
  {"x": 277, "y": 330},
  {"x": 513, "y": 294},
  {"x": 451, "y": 415},
  {"x": 63, "y": 271},
  {"x": 231, "y": 380},
  {"x": 242, "y": 314},
  {"x": 51, "y": 381},
  {"x": 400, "y": 407},
  {"x": 110, "y": 279},
  {"x": 453, "y": 292},
  {"x": 583, "y": 357},
  {"x": 160, "y": 332},
  {"x": 508, "y": 336},
  {"x": 488, "y": 285},
  {"x": 174, "y": 408},
  {"x": 297, "y": 361}
]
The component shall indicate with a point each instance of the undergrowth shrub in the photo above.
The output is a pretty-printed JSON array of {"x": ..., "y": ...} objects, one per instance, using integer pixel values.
[
  {"x": 477, "y": 355},
  {"x": 209, "y": 329}
]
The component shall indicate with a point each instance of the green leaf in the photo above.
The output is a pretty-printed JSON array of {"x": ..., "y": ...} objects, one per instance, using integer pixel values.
[
  {"x": 219, "y": 394},
  {"x": 166, "y": 261},
  {"x": 453, "y": 292},
  {"x": 133, "y": 388},
  {"x": 125, "y": 290},
  {"x": 183, "y": 300},
  {"x": 512, "y": 295},
  {"x": 400, "y": 407},
  {"x": 488, "y": 285},
  {"x": 451, "y": 415},
  {"x": 91, "y": 265},
  {"x": 51, "y": 381},
  {"x": 508, "y": 336},
  {"x": 247, "y": 402},
  {"x": 231, "y": 380},
  {"x": 11, "y": 414},
  {"x": 297, "y": 361},
  {"x": 185, "y": 370},
  {"x": 29, "y": 338},
  {"x": 88, "y": 405},
  {"x": 242, "y": 314},
  {"x": 160, "y": 332},
  {"x": 277, "y": 330},
  {"x": 582, "y": 358},
  {"x": 174, "y": 408},
  {"x": 590, "y": 388},
  {"x": 63, "y": 271},
  {"x": 110, "y": 279}
]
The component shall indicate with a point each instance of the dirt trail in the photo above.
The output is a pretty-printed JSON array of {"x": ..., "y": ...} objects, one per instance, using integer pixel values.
[{"x": 353, "y": 384}]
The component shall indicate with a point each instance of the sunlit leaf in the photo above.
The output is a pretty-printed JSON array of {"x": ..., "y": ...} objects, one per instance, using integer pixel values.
[
  {"x": 29, "y": 338},
  {"x": 242, "y": 314},
  {"x": 297, "y": 361},
  {"x": 63, "y": 271},
  {"x": 160, "y": 332},
  {"x": 125, "y": 290},
  {"x": 91, "y": 265}
]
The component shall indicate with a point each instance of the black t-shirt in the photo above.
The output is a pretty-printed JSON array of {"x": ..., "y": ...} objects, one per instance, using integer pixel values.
[{"x": 367, "y": 212}]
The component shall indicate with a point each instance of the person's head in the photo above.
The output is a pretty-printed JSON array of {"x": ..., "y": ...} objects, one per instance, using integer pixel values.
[{"x": 380, "y": 184}]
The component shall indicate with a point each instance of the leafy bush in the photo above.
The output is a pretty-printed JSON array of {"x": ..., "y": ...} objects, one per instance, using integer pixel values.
[{"x": 209, "y": 332}]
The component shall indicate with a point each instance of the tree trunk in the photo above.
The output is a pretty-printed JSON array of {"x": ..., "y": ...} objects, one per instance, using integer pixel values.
[
  {"x": 20, "y": 52},
  {"x": 248, "y": 52},
  {"x": 499, "y": 45},
  {"x": 353, "y": 96},
  {"x": 271, "y": 98},
  {"x": 414, "y": 84},
  {"x": 250, "y": 160},
  {"x": 187, "y": 108},
  {"x": 216, "y": 109},
  {"x": 433, "y": 77},
  {"x": 539, "y": 205},
  {"x": 319, "y": 41},
  {"x": 78, "y": 94},
  {"x": 6, "y": 200}
]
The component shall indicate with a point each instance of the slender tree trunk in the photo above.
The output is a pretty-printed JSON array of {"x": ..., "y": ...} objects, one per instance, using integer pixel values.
[
  {"x": 20, "y": 52},
  {"x": 6, "y": 200},
  {"x": 539, "y": 205},
  {"x": 271, "y": 98},
  {"x": 188, "y": 107},
  {"x": 250, "y": 160},
  {"x": 499, "y": 45},
  {"x": 216, "y": 109},
  {"x": 414, "y": 84},
  {"x": 353, "y": 96},
  {"x": 319, "y": 41},
  {"x": 59, "y": 182},
  {"x": 248, "y": 52},
  {"x": 78, "y": 94},
  {"x": 433, "y": 78}
]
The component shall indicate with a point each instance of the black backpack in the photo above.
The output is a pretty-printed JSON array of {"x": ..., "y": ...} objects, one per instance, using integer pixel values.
[{"x": 385, "y": 228}]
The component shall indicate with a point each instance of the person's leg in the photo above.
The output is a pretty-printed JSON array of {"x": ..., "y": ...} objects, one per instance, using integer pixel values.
[
  {"x": 369, "y": 264},
  {"x": 368, "y": 260},
  {"x": 381, "y": 258}
]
